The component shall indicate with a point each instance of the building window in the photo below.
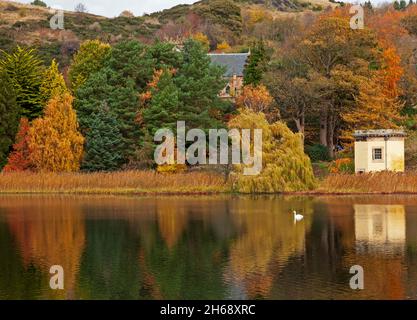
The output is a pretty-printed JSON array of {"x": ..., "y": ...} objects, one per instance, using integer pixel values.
[
  {"x": 227, "y": 90},
  {"x": 377, "y": 154}
]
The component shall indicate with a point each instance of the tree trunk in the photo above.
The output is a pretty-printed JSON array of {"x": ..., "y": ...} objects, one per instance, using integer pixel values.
[
  {"x": 323, "y": 129},
  {"x": 330, "y": 134},
  {"x": 299, "y": 122}
]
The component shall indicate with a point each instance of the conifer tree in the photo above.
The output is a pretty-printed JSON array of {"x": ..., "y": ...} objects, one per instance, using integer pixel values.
[
  {"x": 256, "y": 65},
  {"x": 54, "y": 140},
  {"x": 103, "y": 143},
  {"x": 164, "y": 105},
  {"x": 25, "y": 71},
  {"x": 199, "y": 84},
  {"x": 9, "y": 116},
  {"x": 118, "y": 93},
  {"x": 53, "y": 83},
  {"x": 88, "y": 59}
]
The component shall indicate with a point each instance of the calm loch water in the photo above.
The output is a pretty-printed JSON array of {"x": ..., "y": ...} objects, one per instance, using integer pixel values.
[{"x": 223, "y": 247}]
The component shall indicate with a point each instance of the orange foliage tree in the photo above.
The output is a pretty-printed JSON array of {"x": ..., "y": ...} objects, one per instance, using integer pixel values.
[
  {"x": 19, "y": 158},
  {"x": 258, "y": 99},
  {"x": 55, "y": 142}
]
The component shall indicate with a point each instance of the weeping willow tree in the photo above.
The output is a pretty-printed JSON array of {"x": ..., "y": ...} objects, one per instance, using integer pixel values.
[{"x": 285, "y": 166}]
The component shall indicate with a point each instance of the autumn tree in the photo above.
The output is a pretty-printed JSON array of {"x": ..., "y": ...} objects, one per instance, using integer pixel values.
[
  {"x": 88, "y": 59},
  {"x": 285, "y": 166},
  {"x": 53, "y": 83},
  {"x": 25, "y": 72},
  {"x": 223, "y": 47},
  {"x": 258, "y": 99},
  {"x": 203, "y": 39},
  {"x": 55, "y": 142},
  {"x": 335, "y": 57},
  {"x": 373, "y": 110},
  {"x": 127, "y": 14},
  {"x": 19, "y": 158},
  {"x": 9, "y": 116}
]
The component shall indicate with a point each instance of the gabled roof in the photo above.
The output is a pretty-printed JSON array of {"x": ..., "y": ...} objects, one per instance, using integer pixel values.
[{"x": 233, "y": 62}]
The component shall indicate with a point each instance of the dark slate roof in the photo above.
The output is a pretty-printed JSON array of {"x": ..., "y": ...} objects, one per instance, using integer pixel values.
[{"x": 234, "y": 62}]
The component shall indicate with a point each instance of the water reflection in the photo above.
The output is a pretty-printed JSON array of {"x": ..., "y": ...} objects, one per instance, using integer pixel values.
[{"x": 208, "y": 247}]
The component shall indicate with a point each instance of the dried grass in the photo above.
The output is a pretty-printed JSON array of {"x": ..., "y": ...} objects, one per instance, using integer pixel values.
[
  {"x": 378, "y": 182},
  {"x": 125, "y": 182}
]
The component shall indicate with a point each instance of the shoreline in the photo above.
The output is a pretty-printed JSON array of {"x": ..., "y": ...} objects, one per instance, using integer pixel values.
[
  {"x": 150, "y": 183},
  {"x": 199, "y": 193}
]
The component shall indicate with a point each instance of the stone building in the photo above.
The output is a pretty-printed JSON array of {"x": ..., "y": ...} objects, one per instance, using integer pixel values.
[
  {"x": 234, "y": 64},
  {"x": 379, "y": 150}
]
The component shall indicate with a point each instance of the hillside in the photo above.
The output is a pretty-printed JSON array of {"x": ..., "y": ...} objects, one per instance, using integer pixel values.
[{"x": 221, "y": 20}]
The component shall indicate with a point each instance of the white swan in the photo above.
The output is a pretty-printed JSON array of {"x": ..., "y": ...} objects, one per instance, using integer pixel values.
[{"x": 297, "y": 217}]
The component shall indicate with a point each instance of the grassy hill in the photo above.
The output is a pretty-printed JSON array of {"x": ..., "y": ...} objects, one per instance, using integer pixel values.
[{"x": 222, "y": 20}]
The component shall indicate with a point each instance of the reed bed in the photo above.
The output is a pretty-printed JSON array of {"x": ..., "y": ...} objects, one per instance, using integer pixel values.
[
  {"x": 126, "y": 182},
  {"x": 378, "y": 182}
]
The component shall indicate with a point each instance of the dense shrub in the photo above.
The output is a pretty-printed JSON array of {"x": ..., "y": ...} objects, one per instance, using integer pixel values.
[{"x": 317, "y": 152}]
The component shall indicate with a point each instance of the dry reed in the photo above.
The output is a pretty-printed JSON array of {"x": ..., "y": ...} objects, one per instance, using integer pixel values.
[
  {"x": 378, "y": 182},
  {"x": 126, "y": 182}
]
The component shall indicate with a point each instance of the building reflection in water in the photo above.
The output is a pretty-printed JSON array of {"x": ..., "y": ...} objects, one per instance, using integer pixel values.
[{"x": 380, "y": 227}]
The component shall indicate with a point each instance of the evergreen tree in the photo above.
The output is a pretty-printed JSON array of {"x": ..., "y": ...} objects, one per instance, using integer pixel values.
[
  {"x": 164, "y": 106},
  {"x": 103, "y": 143},
  {"x": 403, "y": 5},
  {"x": 25, "y": 71},
  {"x": 396, "y": 5},
  {"x": 9, "y": 116},
  {"x": 38, "y": 3},
  {"x": 88, "y": 59},
  {"x": 53, "y": 83},
  {"x": 410, "y": 3},
  {"x": 256, "y": 66},
  {"x": 131, "y": 59},
  {"x": 164, "y": 56},
  {"x": 119, "y": 94},
  {"x": 199, "y": 84}
]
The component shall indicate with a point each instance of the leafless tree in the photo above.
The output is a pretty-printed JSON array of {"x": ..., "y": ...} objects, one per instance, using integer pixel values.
[{"x": 81, "y": 8}]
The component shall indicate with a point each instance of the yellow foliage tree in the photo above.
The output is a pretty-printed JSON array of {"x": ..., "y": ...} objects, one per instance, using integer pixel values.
[
  {"x": 54, "y": 139},
  {"x": 223, "y": 47},
  {"x": 202, "y": 38},
  {"x": 88, "y": 59},
  {"x": 285, "y": 166},
  {"x": 53, "y": 83}
]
